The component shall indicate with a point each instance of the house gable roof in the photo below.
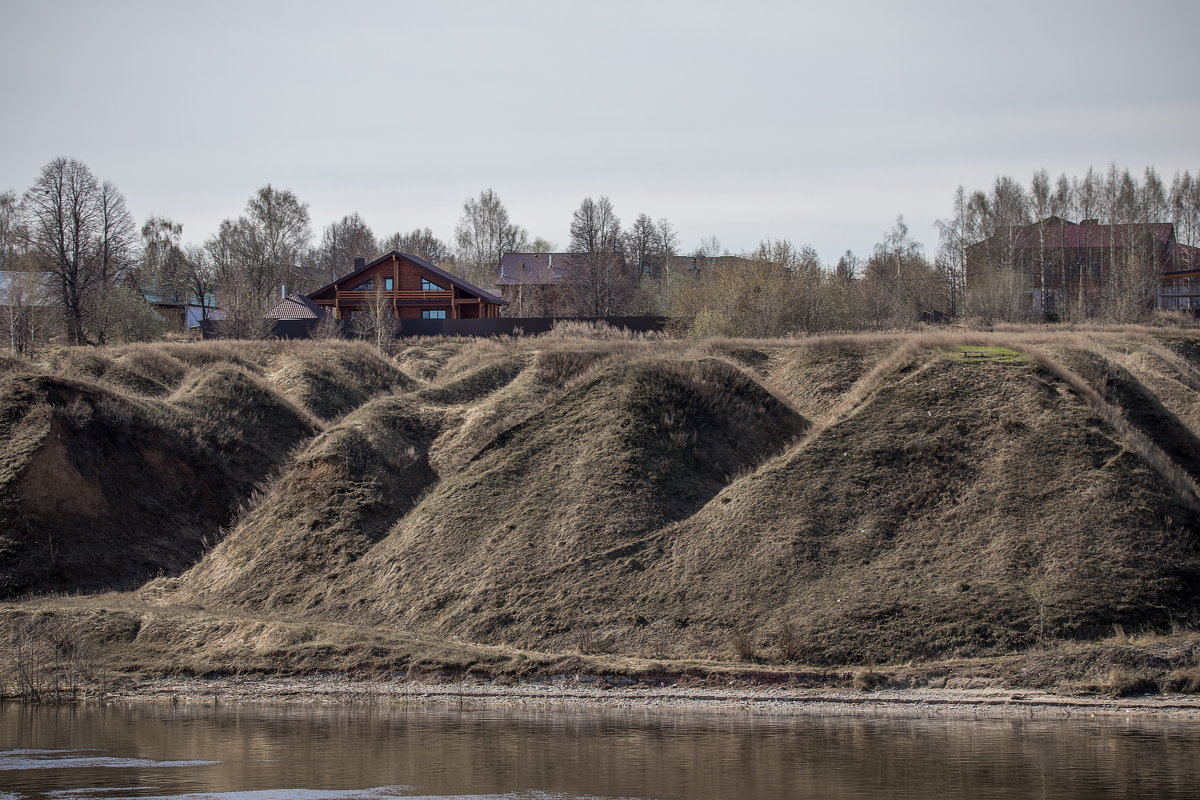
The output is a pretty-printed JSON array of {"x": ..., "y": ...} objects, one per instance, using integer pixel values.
[
  {"x": 423, "y": 264},
  {"x": 295, "y": 306}
]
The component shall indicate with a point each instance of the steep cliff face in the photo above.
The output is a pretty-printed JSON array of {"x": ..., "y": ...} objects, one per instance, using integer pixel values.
[{"x": 848, "y": 500}]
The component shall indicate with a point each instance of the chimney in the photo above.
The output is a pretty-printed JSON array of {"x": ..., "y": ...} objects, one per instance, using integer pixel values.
[
  {"x": 359, "y": 263},
  {"x": 549, "y": 259},
  {"x": 1090, "y": 222},
  {"x": 283, "y": 291}
]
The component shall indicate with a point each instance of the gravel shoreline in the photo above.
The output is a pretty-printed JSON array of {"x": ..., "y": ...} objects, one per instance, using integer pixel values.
[{"x": 973, "y": 703}]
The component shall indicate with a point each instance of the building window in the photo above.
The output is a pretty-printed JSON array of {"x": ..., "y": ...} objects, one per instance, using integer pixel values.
[
  {"x": 429, "y": 286},
  {"x": 433, "y": 313},
  {"x": 388, "y": 284},
  {"x": 366, "y": 286}
]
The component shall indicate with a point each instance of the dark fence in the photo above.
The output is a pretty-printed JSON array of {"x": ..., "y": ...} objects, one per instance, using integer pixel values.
[
  {"x": 517, "y": 326},
  {"x": 501, "y": 326}
]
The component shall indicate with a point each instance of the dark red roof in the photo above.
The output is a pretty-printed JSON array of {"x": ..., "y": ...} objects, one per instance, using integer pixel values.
[
  {"x": 1060, "y": 233},
  {"x": 295, "y": 306},
  {"x": 539, "y": 268}
]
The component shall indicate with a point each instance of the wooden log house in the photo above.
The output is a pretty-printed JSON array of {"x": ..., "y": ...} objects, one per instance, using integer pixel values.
[{"x": 410, "y": 286}]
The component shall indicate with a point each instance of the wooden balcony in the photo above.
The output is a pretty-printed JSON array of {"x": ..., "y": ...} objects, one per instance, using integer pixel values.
[{"x": 399, "y": 298}]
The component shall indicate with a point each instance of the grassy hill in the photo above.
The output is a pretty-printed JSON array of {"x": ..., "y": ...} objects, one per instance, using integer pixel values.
[{"x": 829, "y": 501}]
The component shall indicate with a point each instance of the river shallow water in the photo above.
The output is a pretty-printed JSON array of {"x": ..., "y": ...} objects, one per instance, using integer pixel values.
[{"x": 376, "y": 752}]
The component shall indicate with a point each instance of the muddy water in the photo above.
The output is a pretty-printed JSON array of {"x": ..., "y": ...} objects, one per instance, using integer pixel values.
[{"x": 272, "y": 753}]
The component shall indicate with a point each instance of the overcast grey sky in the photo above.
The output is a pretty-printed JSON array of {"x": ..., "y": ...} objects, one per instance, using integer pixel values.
[{"x": 819, "y": 122}]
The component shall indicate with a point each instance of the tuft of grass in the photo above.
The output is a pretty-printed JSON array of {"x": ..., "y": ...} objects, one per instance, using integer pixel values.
[
  {"x": 867, "y": 680},
  {"x": 1125, "y": 683},
  {"x": 1182, "y": 681}
]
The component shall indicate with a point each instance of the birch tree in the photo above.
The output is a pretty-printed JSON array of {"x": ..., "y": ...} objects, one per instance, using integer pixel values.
[{"x": 484, "y": 233}]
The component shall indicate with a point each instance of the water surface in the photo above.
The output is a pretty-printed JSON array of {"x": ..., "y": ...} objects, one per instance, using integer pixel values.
[{"x": 364, "y": 753}]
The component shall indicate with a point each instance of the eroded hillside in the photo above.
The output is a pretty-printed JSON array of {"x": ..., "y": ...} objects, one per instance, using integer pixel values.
[{"x": 833, "y": 500}]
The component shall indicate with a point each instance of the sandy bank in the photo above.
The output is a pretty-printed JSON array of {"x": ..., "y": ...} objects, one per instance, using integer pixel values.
[{"x": 974, "y": 703}]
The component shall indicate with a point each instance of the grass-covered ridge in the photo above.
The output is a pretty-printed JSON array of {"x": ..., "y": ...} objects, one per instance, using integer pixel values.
[{"x": 843, "y": 500}]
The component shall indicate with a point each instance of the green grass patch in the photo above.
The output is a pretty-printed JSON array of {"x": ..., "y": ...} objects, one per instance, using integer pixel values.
[{"x": 972, "y": 353}]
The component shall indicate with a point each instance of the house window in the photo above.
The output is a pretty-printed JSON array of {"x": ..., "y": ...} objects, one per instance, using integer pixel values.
[
  {"x": 429, "y": 286},
  {"x": 433, "y": 313},
  {"x": 387, "y": 284},
  {"x": 366, "y": 286}
]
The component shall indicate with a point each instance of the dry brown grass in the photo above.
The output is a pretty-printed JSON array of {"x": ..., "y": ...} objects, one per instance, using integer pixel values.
[{"x": 852, "y": 499}]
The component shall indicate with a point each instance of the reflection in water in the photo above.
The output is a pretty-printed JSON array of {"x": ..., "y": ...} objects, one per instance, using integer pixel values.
[
  {"x": 271, "y": 753},
  {"x": 67, "y": 759}
]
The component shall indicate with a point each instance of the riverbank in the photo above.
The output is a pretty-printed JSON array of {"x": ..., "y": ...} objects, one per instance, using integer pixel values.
[{"x": 598, "y": 693}]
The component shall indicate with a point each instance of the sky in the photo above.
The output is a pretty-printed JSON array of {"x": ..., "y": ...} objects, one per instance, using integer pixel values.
[{"x": 815, "y": 122}]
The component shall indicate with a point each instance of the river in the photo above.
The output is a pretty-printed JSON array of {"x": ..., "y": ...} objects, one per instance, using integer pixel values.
[{"x": 256, "y": 752}]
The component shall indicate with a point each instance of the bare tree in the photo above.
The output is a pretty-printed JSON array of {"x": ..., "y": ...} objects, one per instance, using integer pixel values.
[
  {"x": 375, "y": 320},
  {"x": 605, "y": 285},
  {"x": 641, "y": 247},
  {"x": 709, "y": 247},
  {"x": 201, "y": 277},
  {"x": 163, "y": 269},
  {"x": 955, "y": 237},
  {"x": 277, "y": 235},
  {"x": 901, "y": 274},
  {"x": 484, "y": 233},
  {"x": 81, "y": 233},
  {"x": 255, "y": 254},
  {"x": 849, "y": 267},
  {"x": 341, "y": 243},
  {"x": 420, "y": 242},
  {"x": 1185, "y": 212}
]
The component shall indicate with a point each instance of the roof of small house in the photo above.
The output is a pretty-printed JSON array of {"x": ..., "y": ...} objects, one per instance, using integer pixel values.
[
  {"x": 295, "y": 306},
  {"x": 420, "y": 262}
]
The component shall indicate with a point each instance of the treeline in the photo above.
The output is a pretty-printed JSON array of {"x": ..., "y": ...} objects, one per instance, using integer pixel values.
[{"x": 76, "y": 228}]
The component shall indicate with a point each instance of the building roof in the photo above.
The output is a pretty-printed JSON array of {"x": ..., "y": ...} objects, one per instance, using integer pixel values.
[
  {"x": 539, "y": 268},
  {"x": 550, "y": 269},
  {"x": 699, "y": 263},
  {"x": 436, "y": 270},
  {"x": 295, "y": 306},
  {"x": 1055, "y": 232}
]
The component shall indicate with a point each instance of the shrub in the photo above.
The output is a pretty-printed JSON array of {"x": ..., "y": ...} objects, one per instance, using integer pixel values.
[
  {"x": 43, "y": 658},
  {"x": 790, "y": 642},
  {"x": 743, "y": 645}
]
